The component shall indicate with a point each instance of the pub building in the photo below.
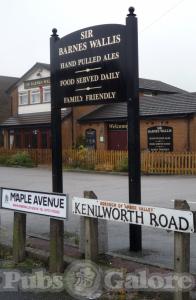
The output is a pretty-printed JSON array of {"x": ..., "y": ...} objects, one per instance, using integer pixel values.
[{"x": 167, "y": 117}]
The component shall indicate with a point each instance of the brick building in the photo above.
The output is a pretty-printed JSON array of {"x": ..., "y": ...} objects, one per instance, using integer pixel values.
[
  {"x": 167, "y": 117},
  {"x": 5, "y": 100}
]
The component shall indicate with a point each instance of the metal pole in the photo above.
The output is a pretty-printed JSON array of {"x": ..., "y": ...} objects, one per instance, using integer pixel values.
[
  {"x": 132, "y": 83},
  {"x": 56, "y": 226}
]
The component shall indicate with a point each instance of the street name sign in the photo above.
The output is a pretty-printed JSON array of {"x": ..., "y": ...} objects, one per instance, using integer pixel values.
[
  {"x": 161, "y": 218},
  {"x": 47, "y": 204}
]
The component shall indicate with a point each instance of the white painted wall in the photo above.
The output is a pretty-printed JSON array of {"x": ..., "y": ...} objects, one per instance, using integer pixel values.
[{"x": 34, "y": 108}]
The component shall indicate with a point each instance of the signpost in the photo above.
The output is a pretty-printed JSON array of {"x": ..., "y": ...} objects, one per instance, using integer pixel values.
[
  {"x": 96, "y": 65},
  {"x": 22, "y": 202},
  {"x": 132, "y": 88}
]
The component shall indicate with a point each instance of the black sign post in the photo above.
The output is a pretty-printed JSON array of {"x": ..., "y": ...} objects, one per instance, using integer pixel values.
[
  {"x": 56, "y": 226},
  {"x": 132, "y": 82},
  {"x": 96, "y": 65}
]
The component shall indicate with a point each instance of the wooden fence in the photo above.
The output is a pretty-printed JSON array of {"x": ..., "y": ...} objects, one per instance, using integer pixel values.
[{"x": 151, "y": 162}]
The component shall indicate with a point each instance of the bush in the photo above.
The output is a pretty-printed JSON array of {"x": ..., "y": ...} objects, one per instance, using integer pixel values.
[
  {"x": 3, "y": 159},
  {"x": 123, "y": 165},
  {"x": 19, "y": 159},
  {"x": 81, "y": 160}
]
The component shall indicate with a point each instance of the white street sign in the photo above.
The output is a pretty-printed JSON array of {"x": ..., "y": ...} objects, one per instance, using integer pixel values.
[
  {"x": 47, "y": 204},
  {"x": 163, "y": 218}
]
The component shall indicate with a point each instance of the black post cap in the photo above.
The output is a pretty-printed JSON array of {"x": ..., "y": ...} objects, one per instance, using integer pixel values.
[
  {"x": 54, "y": 32},
  {"x": 131, "y": 11}
]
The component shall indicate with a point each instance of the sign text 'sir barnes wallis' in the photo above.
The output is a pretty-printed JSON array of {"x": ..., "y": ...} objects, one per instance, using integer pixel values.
[{"x": 90, "y": 66}]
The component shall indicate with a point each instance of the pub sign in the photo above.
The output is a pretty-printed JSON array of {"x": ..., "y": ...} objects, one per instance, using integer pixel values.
[
  {"x": 160, "y": 138},
  {"x": 89, "y": 66}
]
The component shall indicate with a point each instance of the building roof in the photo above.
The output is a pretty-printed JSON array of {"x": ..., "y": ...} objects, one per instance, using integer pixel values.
[
  {"x": 161, "y": 105},
  {"x": 6, "y": 82},
  {"x": 36, "y": 65},
  {"x": 144, "y": 84},
  {"x": 43, "y": 118},
  {"x": 5, "y": 101},
  {"x": 159, "y": 86}
]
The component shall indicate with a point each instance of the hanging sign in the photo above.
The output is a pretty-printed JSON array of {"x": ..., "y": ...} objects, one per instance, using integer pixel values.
[
  {"x": 47, "y": 204},
  {"x": 161, "y": 218},
  {"x": 89, "y": 66}
]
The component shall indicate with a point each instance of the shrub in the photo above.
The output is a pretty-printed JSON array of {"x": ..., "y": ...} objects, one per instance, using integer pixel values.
[
  {"x": 123, "y": 165},
  {"x": 19, "y": 159},
  {"x": 80, "y": 142},
  {"x": 3, "y": 159},
  {"x": 81, "y": 160}
]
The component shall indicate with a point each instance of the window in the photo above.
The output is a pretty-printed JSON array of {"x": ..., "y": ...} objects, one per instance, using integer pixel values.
[
  {"x": 46, "y": 94},
  {"x": 35, "y": 96},
  {"x": 17, "y": 138},
  {"x": 23, "y": 98},
  {"x": 147, "y": 93},
  {"x": 34, "y": 141},
  {"x": 90, "y": 136}
]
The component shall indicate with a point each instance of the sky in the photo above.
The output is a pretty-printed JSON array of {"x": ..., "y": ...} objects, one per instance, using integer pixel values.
[{"x": 166, "y": 33}]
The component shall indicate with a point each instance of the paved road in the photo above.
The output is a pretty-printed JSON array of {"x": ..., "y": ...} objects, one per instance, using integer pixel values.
[{"x": 156, "y": 191}]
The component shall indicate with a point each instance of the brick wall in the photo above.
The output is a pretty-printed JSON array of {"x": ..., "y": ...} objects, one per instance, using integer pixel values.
[
  {"x": 67, "y": 133},
  {"x": 14, "y": 103}
]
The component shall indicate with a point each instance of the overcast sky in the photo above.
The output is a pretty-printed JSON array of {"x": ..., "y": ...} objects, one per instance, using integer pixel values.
[{"x": 167, "y": 33}]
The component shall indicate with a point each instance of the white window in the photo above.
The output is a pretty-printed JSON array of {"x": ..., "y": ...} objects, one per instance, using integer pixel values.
[
  {"x": 23, "y": 98},
  {"x": 35, "y": 96},
  {"x": 46, "y": 94},
  {"x": 147, "y": 94}
]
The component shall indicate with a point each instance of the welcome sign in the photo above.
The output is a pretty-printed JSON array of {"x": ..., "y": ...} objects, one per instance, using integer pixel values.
[{"x": 47, "y": 204}]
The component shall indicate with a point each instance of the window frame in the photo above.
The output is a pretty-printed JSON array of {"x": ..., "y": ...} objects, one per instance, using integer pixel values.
[
  {"x": 45, "y": 90},
  {"x": 35, "y": 92},
  {"x": 23, "y": 93}
]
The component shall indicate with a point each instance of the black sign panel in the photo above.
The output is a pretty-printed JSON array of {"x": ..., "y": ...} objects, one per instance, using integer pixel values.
[
  {"x": 90, "y": 138},
  {"x": 89, "y": 66},
  {"x": 160, "y": 138}
]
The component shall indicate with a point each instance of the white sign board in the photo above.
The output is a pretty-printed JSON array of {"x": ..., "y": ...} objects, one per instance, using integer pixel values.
[
  {"x": 163, "y": 218},
  {"x": 47, "y": 204}
]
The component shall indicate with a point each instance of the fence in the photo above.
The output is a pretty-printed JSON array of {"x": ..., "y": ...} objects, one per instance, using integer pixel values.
[
  {"x": 168, "y": 163},
  {"x": 151, "y": 162}
]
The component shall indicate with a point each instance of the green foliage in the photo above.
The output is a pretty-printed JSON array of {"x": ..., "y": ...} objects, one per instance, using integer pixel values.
[
  {"x": 81, "y": 160},
  {"x": 80, "y": 142},
  {"x": 19, "y": 159},
  {"x": 123, "y": 165},
  {"x": 3, "y": 159}
]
